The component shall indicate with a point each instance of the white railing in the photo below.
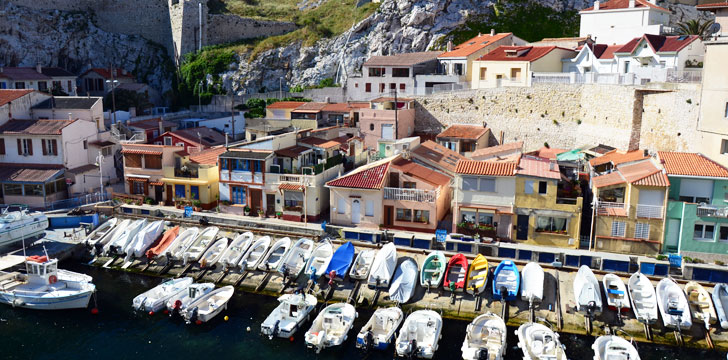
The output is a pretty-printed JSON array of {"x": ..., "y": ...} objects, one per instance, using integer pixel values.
[
  {"x": 684, "y": 76},
  {"x": 649, "y": 211},
  {"x": 411, "y": 194},
  {"x": 553, "y": 77},
  {"x": 602, "y": 206},
  {"x": 712, "y": 211}
]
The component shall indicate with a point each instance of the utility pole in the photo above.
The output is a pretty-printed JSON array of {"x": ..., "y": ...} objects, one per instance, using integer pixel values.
[
  {"x": 232, "y": 111},
  {"x": 396, "y": 123},
  {"x": 280, "y": 88},
  {"x": 199, "y": 8},
  {"x": 113, "y": 83},
  {"x": 100, "y": 163}
]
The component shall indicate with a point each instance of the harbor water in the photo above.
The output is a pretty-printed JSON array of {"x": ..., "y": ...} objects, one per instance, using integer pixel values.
[{"x": 117, "y": 332}]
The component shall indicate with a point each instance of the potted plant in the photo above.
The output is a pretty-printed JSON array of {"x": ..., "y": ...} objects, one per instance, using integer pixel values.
[
  {"x": 197, "y": 204},
  {"x": 226, "y": 202},
  {"x": 246, "y": 210},
  {"x": 279, "y": 214},
  {"x": 261, "y": 213}
]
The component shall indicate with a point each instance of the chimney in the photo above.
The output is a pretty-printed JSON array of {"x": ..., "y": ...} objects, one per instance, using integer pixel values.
[
  {"x": 631, "y": 4},
  {"x": 552, "y": 166},
  {"x": 69, "y": 116},
  {"x": 492, "y": 32},
  {"x": 480, "y": 34},
  {"x": 449, "y": 45},
  {"x": 132, "y": 111},
  {"x": 596, "y": 5},
  {"x": 161, "y": 127},
  {"x": 38, "y": 68}
]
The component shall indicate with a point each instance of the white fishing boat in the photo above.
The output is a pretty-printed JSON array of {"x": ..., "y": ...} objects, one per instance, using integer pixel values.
[
  {"x": 616, "y": 291},
  {"x": 119, "y": 228},
  {"x": 404, "y": 282},
  {"x": 275, "y": 254},
  {"x": 42, "y": 288},
  {"x": 292, "y": 311},
  {"x": 18, "y": 225},
  {"x": 331, "y": 326},
  {"x": 720, "y": 298},
  {"x": 200, "y": 245},
  {"x": 73, "y": 276},
  {"x": 319, "y": 260},
  {"x": 383, "y": 267},
  {"x": 610, "y": 347},
  {"x": 701, "y": 306},
  {"x": 532, "y": 284},
  {"x": 181, "y": 300},
  {"x": 379, "y": 331},
  {"x": 181, "y": 243},
  {"x": 155, "y": 299},
  {"x": 296, "y": 259},
  {"x": 100, "y": 232},
  {"x": 116, "y": 245},
  {"x": 250, "y": 260},
  {"x": 362, "y": 264},
  {"x": 586, "y": 291},
  {"x": 485, "y": 338},
  {"x": 643, "y": 298},
  {"x": 420, "y": 335},
  {"x": 207, "y": 306},
  {"x": 212, "y": 255},
  {"x": 231, "y": 257},
  {"x": 673, "y": 305},
  {"x": 144, "y": 239},
  {"x": 539, "y": 343}
]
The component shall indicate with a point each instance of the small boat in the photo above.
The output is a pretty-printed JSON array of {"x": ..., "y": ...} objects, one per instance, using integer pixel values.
[
  {"x": 720, "y": 298},
  {"x": 331, "y": 326},
  {"x": 250, "y": 260},
  {"x": 212, "y": 255},
  {"x": 673, "y": 305},
  {"x": 275, "y": 255},
  {"x": 73, "y": 276},
  {"x": 643, "y": 298},
  {"x": 231, "y": 257},
  {"x": 485, "y": 338},
  {"x": 616, "y": 292},
  {"x": 116, "y": 245},
  {"x": 199, "y": 246},
  {"x": 532, "y": 283},
  {"x": 586, "y": 292},
  {"x": 506, "y": 281},
  {"x": 340, "y": 262},
  {"x": 539, "y": 343},
  {"x": 166, "y": 240},
  {"x": 292, "y": 311},
  {"x": 109, "y": 236},
  {"x": 207, "y": 306},
  {"x": 100, "y": 232},
  {"x": 433, "y": 270},
  {"x": 477, "y": 275},
  {"x": 383, "y": 267},
  {"x": 319, "y": 260},
  {"x": 611, "y": 347},
  {"x": 155, "y": 299},
  {"x": 362, "y": 264},
  {"x": 420, "y": 335},
  {"x": 43, "y": 288},
  {"x": 294, "y": 262},
  {"x": 404, "y": 282},
  {"x": 379, "y": 331},
  {"x": 143, "y": 239},
  {"x": 456, "y": 273},
  {"x": 701, "y": 306},
  {"x": 181, "y": 243},
  {"x": 181, "y": 300},
  {"x": 19, "y": 225}
]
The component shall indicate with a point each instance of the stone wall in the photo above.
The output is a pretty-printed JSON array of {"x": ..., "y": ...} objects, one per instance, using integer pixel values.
[{"x": 227, "y": 28}]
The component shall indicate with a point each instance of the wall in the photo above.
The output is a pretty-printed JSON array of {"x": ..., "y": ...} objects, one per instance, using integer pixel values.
[
  {"x": 364, "y": 195},
  {"x": 20, "y": 108},
  {"x": 405, "y": 121},
  {"x": 228, "y": 28},
  {"x": 620, "y": 26},
  {"x": 711, "y": 128}
]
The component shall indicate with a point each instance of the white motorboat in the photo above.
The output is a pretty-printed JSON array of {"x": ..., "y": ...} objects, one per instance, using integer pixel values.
[
  {"x": 611, "y": 347},
  {"x": 383, "y": 267},
  {"x": 539, "y": 343},
  {"x": 200, "y": 245},
  {"x": 155, "y": 299},
  {"x": 643, "y": 298},
  {"x": 404, "y": 282},
  {"x": 275, "y": 254},
  {"x": 73, "y": 276},
  {"x": 420, "y": 335},
  {"x": 586, "y": 291},
  {"x": 117, "y": 245},
  {"x": 532, "y": 284},
  {"x": 19, "y": 225},
  {"x": 119, "y": 228},
  {"x": 212, "y": 255},
  {"x": 673, "y": 305},
  {"x": 43, "y": 288},
  {"x": 319, "y": 260},
  {"x": 181, "y": 243},
  {"x": 362, "y": 264},
  {"x": 255, "y": 253},
  {"x": 616, "y": 291},
  {"x": 296, "y": 259},
  {"x": 292, "y": 311},
  {"x": 379, "y": 331},
  {"x": 331, "y": 326},
  {"x": 100, "y": 232},
  {"x": 485, "y": 338},
  {"x": 207, "y": 306},
  {"x": 720, "y": 298},
  {"x": 701, "y": 306},
  {"x": 144, "y": 239},
  {"x": 236, "y": 249},
  {"x": 181, "y": 300}
]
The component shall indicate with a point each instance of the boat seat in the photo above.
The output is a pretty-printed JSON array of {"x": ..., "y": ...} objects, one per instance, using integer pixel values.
[{"x": 537, "y": 347}]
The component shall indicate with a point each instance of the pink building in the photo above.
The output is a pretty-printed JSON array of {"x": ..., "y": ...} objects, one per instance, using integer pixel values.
[{"x": 385, "y": 120}]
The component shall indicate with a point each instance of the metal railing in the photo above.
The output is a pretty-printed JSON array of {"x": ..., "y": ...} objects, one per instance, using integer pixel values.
[
  {"x": 649, "y": 211},
  {"x": 74, "y": 202},
  {"x": 411, "y": 194},
  {"x": 712, "y": 211},
  {"x": 602, "y": 206},
  {"x": 684, "y": 76}
]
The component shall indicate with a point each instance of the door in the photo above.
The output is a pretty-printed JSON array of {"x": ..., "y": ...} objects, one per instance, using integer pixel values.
[
  {"x": 158, "y": 190},
  {"x": 387, "y": 132},
  {"x": 522, "y": 228},
  {"x": 256, "y": 199},
  {"x": 355, "y": 211},
  {"x": 270, "y": 202},
  {"x": 388, "y": 215},
  {"x": 394, "y": 179},
  {"x": 673, "y": 234},
  {"x": 170, "y": 197}
]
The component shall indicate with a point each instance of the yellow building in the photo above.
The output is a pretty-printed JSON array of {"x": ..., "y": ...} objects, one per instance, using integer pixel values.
[
  {"x": 194, "y": 177},
  {"x": 513, "y": 65},
  {"x": 548, "y": 206}
]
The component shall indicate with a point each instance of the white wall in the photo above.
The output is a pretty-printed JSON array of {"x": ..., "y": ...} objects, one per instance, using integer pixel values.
[
  {"x": 20, "y": 107},
  {"x": 622, "y": 25},
  {"x": 504, "y": 195},
  {"x": 73, "y": 139}
]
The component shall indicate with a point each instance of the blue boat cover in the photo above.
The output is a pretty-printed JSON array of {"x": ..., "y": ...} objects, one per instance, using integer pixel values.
[
  {"x": 341, "y": 260},
  {"x": 615, "y": 292}
]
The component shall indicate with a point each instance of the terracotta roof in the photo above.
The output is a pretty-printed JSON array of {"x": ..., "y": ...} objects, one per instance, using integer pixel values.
[
  {"x": 659, "y": 43},
  {"x": 141, "y": 150},
  {"x": 35, "y": 127},
  {"x": 83, "y": 169},
  {"x": 624, "y": 4},
  {"x": 310, "y": 107},
  {"x": 617, "y": 157},
  {"x": 371, "y": 177},
  {"x": 519, "y": 53},
  {"x": 323, "y": 143},
  {"x": 547, "y": 152},
  {"x": 106, "y": 73},
  {"x": 604, "y": 51},
  {"x": 473, "y": 45},
  {"x": 713, "y": 6},
  {"x": 538, "y": 167},
  {"x": 422, "y": 172},
  {"x": 344, "y": 107},
  {"x": 207, "y": 157},
  {"x": 292, "y": 151},
  {"x": 208, "y": 136},
  {"x": 690, "y": 164},
  {"x": 7, "y": 96},
  {"x": 612, "y": 178},
  {"x": 290, "y": 187},
  {"x": 494, "y": 150},
  {"x": 285, "y": 105},
  {"x": 406, "y": 59},
  {"x": 656, "y": 179},
  {"x": 156, "y": 183},
  {"x": 474, "y": 167},
  {"x": 470, "y": 132},
  {"x": 643, "y": 173},
  {"x": 101, "y": 143},
  {"x": 610, "y": 211},
  {"x": 247, "y": 154},
  {"x": 27, "y": 173},
  {"x": 443, "y": 157},
  {"x": 391, "y": 99}
]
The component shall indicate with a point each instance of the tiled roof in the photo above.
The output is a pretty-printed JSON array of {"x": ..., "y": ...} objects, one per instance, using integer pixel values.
[
  {"x": 604, "y": 51},
  {"x": 141, "y": 149},
  {"x": 690, "y": 164},
  {"x": 391, "y": 99},
  {"x": 247, "y": 154},
  {"x": 7, "y": 96},
  {"x": 713, "y": 6},
  {"x": 612, "y": 178},
  {"x": 656, "y": 179},
  {"x": 106, "y": 73},
  {"x": 323, "y": 143},
  {"x": 519, "y": 53},
  {"x": 56, "y": 72},
  {"x": 643, "y": 173},
  {"x": 639, "y": 170},
  {"x": 208, "y": 136},
  {"x": 659, "y": 43},
  {"x": 345, "y": 107},
  {"x": 83, "y": 169},
  {"x": 285, "y": 105},
  {"x": 624, "y": 4},
  {"x": 207, "y": 157},
  {"x": 371, "y": 177},
  {"x": 101, "y": 143},
  {"x": 311, "y": 107},
  {"x": 443, "y": 157},
  {"x": 27, "y": 173},
  {"x": 68, "y": 102},
  {"x": 473, "y": 45},
  {"x": 617, "y": 157},
  {"x": 151, "y": 124},
  {"x": 422, "y": 172},
  {"x": 470, "y": 132},
  {"x": 35, "y": 127},
  {"x": 293, "y": 151},
  {"x": 23, "y": 73},
  {"x": 538, "y": 167},
  {"x": 474, "y": 167},
  {"x": 290, "y": 187},
  {"x": 406, "y": 59},
  {"x": 493, "y": 150},
  {"x": 547, "y": 152}
]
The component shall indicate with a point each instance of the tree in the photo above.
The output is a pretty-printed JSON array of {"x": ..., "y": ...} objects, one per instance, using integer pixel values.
[{"x": 695, "y": 27}]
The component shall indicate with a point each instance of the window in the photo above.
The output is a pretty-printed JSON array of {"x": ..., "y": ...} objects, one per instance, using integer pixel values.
[
  {"x": 138, "y": 187},
  {"x": 106, "y": 151},
  {"x": 422, "y": 216},
  {"x": 724, "y": 146},
  {"x": 19, "y": 85},
  {"x": 528, "y": 187},
  {"x": 409, "y": 185},
  {"x": 43, "y": 86},
  {"x": 551, "y": 224},
  {"x": 293, "y": 200},
  {"x": 726, "y": 109},
  {"x": 341, "y": 208},
  {"x": 642, "y": 230},
  {"x": 542, "y": 187},
  {"x": 240, "y": 165},
  {"x": 369, "y": 211},
  {"x": 468, "y": 216},
  {"x": 368, "y": 87},
  {"x": 179, "y": 191},
  {"x": 25, "y": 146},
  {"x": 258, "y": 166},
  {"x": 400, "y": 72},
  {"x": 392, "y": 86},
  {"x": 704, "y": 232},
  {"x": 404, "y": 215},
  {"x": 152, "y": 161},
  {"x": 85, "y": 144},
  {"x": 168, "y": 140},
  {"x": 33, "y": 190},
  {"x": 2, "y": 146},
  {"x": 663, "y": 64},
  {"x": 723, "y": 233},
  {"x": 133, "y": 160},
  {"x": 458, "y": 69},
  {"x": 402, "y": 87},
  {"x": 195, "y": 192},
  {"x": 483, "y": 72},
  {"x": 470, "y": 183},
  {"x": 626, "y": 67},
  {"x": 155, "y": 133},
  {"x": 487, "y": 185},
  {"x": 238, "y": 194},
  {"x": 382, "y": 87},
  {"x": 13, "y": 189},
  {"x": 57, "y": 85},
  {"x": 516, "y": 74},
  {"x": 618, "y": 228},
  {"x": 696, "y": 190},
  {"x": 3, "y": 85},
  {"x": 371, "y": 127},
  {"x": 586, "y": 55},
  {"x": 377, "y": 72},
  {"x": 485, "y": 218},
  {"x": 50, "y": 146}
]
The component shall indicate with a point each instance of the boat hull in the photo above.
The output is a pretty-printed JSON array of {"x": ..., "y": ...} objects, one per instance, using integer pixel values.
[{"x": 79, "y": 300}]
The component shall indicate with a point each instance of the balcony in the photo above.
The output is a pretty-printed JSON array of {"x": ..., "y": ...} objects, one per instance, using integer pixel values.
[
  {"x": 188, "y": 172},
  {"x": 712, "y": 211},
  {"x": 649, "y": 211},
  {"x": 429, "y": 196},
  {"x": 611, "y": 208}
]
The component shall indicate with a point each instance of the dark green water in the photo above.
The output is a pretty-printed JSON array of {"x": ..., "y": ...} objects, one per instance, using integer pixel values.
[{"x": 119, "y": 333}]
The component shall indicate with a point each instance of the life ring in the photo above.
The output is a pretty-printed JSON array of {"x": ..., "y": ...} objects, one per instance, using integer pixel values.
[{"x": 52, "y": 279}]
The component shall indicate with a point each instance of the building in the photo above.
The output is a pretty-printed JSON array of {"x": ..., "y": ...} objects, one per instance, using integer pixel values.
[
  {"x": 593, "y": 58},
  {"x": 458, "y": 60},
  {"x": 225, "y": 124},
  {"x": 652, "y": 56},
  {"x": 609, "y": 160},
  {"x": 192, "y": 178},
  {"x": 18, "y": 104},
  {"x": 387, "y": 120},
  {"x": 45, "y": 79},
  {"x": 93, "y": 81},
  {"x": 344, "y": 114},
  {"x": 618, "y": 21},
  {"x": 71, "y": 107},
  {"x": 149, "y": 129},
  {"x": 308, "y": 115},
  {"x": 389, "y": 148},
  {"x": 464, "y": 139},
  {"x": 505, "y": 152},
  {"x": 436, "y": 156},
  {"x": 192, "y": 140},
  {"x": 514, "y": 65},
  {"x": 144, "y": 166},
  {"x": 242, "y": 179},
  {"x": 281, "y": 110},
  {"x": 150, "y": 93}
]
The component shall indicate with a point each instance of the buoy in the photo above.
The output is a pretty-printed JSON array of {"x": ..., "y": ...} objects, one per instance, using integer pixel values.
[
  {"x": 291, "y": 338},
  {"x": 247, "y": 329},
  {"x": 226, "y": 318},
  {"x": 151, "y": 313},
  {"x": 95, "y": 311},
  {"x": 198, "y": 322}
]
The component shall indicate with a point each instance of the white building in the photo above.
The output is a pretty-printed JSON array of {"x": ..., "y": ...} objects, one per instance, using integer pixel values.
[
  {"x": 71, "y": 107},
  {"x": 18, "y": 103},
  {"x": 619, "y": 21},
  {"x": 38, "y": 78},
  {"x": 597, "y": 58},
  {"x": 223, "y": 124},
  {"x": 458, "y": 60}
]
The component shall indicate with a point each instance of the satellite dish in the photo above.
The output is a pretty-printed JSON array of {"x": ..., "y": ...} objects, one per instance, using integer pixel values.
[{"x": 715, "y": 28}]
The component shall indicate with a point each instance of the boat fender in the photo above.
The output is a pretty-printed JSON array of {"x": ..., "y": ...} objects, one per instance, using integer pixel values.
[
  {"x": 177, "y": 304},
  {"x": 52, "y": 279}
]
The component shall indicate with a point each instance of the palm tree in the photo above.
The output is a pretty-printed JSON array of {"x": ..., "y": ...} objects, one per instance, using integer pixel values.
[{"x": 695, "y": 27}]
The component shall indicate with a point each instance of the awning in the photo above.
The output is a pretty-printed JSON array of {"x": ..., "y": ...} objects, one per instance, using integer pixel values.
[
  {"x": 290, "y": 187},
  {"x": 26, "y": 175},
  {"x": 141, "y": 151},
  {"x": 156, "y": 183},
  {"x": 183, "y": 181}
]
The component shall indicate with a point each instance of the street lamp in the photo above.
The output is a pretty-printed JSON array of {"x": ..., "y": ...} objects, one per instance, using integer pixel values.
[
  {"x": 199, "y": 97},
  {"x": 113, "y": 83},
  {"x": 100, "y": 163}
]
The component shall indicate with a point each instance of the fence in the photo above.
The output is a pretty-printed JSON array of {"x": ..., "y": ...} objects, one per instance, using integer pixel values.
[
  {"x": 418, "y": 195},
  {"x": 75, "y": 202}
]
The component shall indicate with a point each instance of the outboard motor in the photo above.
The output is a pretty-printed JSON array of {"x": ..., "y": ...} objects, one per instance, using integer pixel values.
[
  {"x": 368, "y": 341},
  {"x": 413, "y": 349},
  {"x": 275, "y": 330},
  {"x": 482, "y": 354},
  {"x": 503, "y": 293}
]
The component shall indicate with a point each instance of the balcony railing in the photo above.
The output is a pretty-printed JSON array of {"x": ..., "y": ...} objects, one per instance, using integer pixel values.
[
  {"x": 712, "y": 211},
  {"x": 186, "y": 173},
  {"x": 411, "y": 194},
  {"x": 603, "y": 206},
  {"x": 649, "y": 211}
]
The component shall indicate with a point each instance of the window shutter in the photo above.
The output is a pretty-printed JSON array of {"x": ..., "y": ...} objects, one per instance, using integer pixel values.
[
  {"x": 43, "y": 143},
  {"x": 20, "y": 147},
  {"x": 55, "y": 146},
  {"x": 30, "y": 146},
  {"x": 2, "y": 146}
]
